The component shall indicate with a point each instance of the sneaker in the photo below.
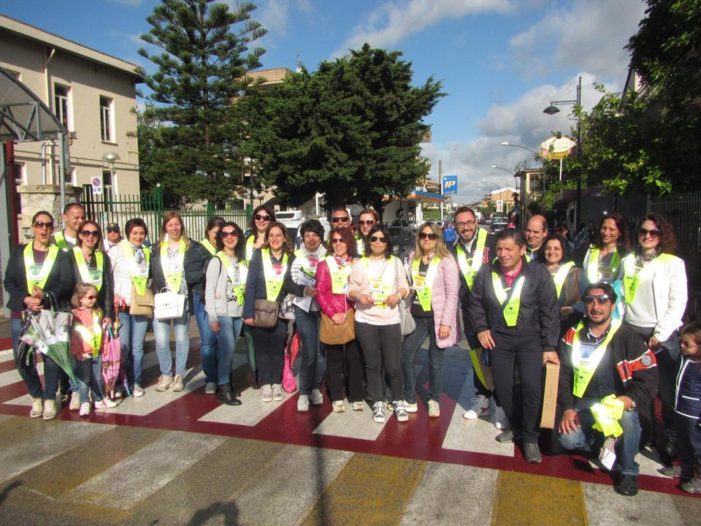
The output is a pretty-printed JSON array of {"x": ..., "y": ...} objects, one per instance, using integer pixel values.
[
  {"x": 400, "y": 412},
  {"x": 165, "y": 382},
  {"x": 303, "y": 403},
  {"x": 210, "y": 388},
  {"x": 357, "y": 406},
  {"x": 178, "y": 384},
  {"x": 627, "y": 485},
  {"x": 338, "y": 406},
  {"x": 84, "y": 409},
  {"x": 105, "y": 403},
  {"x": 693, "y": 485},
  {"x": 37, "y": 408},
  {"x": 138, "y": 391},
  {"x": 317, "y": 397},
  {"x": 505, "y": 437},
  {"x": 50, "y": 410},
  {"x": 411, "y": 407},
  {"x": 277, "y": 392},
  {"x": 378, "y": 412},
  {"x": 531, "y": 452},
  {"x": 119, "y": 394},
  {"x": 501, "y": 421},
  {"x": 478, "y": 405},
  {"x": 389, "y": 406},
  {"x": 266, "y": 393},
  {"x": 671, "y": 471},
  {"x": 74, "y": 404},
  {"x": 434, "y": 409}
]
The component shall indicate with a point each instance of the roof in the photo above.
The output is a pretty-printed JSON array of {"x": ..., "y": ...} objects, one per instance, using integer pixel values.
[{"x": 35, "y": 34}]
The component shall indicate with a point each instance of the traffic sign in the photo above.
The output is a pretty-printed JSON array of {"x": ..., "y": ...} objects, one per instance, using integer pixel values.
[{"x": 96, "y": 183}]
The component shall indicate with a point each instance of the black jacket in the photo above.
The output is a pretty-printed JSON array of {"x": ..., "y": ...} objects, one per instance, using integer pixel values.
[
  {"x": 61, "y": 280},
  {"x": 196, "y": 261},
  {"x": 255, "y": 284},
  {"x": 490, "y": 252},
  {"x": 539, "y": 312},
  {"x": 105, "y": 297},
  {"x": 193, "y": 273}
]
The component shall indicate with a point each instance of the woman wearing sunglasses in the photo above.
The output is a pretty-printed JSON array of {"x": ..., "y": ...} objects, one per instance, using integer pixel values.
[
  {"x": 435, "y": 281},
  {"x": 262, "y": 216},
  {"x": 92, "y": 266},
  {"x": 366, "y": 219},
  {"x": 655, "y": 291},
  {"x": 377, "y": 284},
  {"x": 34, "y": 271}
]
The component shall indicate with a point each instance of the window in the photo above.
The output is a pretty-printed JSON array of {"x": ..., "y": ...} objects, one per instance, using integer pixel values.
[
  {"x": 106, "y": 119},
  {"x": 62, "y": 105},
  {"x": 107, "y": 190}
]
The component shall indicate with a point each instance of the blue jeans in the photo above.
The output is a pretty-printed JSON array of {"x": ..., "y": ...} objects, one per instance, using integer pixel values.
[
  {"x": 30, "y": 376},
  {"x": 589, "y": 440},
  {"x": 412, "y": 344},
  {"x": 89, "y": 374},
  {"x": 208, "y": 340},
  {"x": 161, "y": 330},
  {"x": 312, "y": 364},
  {"x": 132, "y": 335},
  {"x": 229, "y": 330}
]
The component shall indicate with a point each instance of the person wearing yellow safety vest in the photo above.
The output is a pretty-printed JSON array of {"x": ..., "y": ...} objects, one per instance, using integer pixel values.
[
  {"x": 86, "y": 343},
  {"x": 262, "y": 216},
  {"x": 130, "y": 261},
  {"x": 655, "y": 293},
  {"x": 567, "y": 278},
  {"x": 366, "y": 218},
  {"x": 269, "y": 279},
  {"x": 435, "y": 282},
  {"x": 201, "y": 255},
  {"x": 35, "y": 272},
  {"x": 307, "y": 315},
  {"x": 169, "y": 271},
  {"x": 515, "y": 313},
  {"x": 608, "y": 378},
  {"x": 73, "y": 218},
  {"x": 224, "y": 293},
  {"x": 378, "y": 283}
]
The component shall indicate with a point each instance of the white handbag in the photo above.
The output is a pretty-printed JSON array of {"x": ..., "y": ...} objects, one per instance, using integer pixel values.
[{"x": 168, "y": 305}]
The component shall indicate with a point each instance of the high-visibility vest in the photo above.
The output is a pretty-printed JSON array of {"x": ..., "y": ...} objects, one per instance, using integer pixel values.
[
  {"x": 632, "y": 274},
  {"x": 38, "y": 274},
  {"x": 424, "y": 286},
  {"x": 585, "y": 366},
  {"x": 469, "y": 268},
  {"x": 139, "y": 275},
  {"x": 174, "y": 275},
  {"x": 92, "y": 335},
  {"x": 593, "y": 274},
  {"x": 87, "y": 274},
  {"x": 561, "y": 275},
  {"x": 273, "y": 280},
  {"x": 510, "y": 303},
  {"x": 383, "y": 285},
  {"x": 208, "y": 246},
  {"x": 237, "y": 275},
  {"x": 60, "y": 241},
  {"x": 339, "y": 275}
]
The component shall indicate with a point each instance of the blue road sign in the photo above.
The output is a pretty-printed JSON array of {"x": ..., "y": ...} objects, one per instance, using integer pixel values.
[{"x": 450, "y": 184}]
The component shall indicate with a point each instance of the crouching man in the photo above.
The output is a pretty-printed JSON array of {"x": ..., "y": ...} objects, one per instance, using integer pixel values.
[{"x": 603, "y": 359}]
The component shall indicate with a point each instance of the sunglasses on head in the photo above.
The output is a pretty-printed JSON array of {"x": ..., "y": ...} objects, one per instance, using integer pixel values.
[
  {"x": 378, "y": 239},
  {"x": 42, "y": 224},
  {"x": 642, "y": 232},
  {"x": 601, "y": 299},
  {"x": 340, "y": 219},
  {"x": 229, "y": 233},
  {"x": 428, "y": 235},
  {"x": 261, "y": 217},
  {"x": 368, "y": 222},
  {"x": 88, "y": 233}
]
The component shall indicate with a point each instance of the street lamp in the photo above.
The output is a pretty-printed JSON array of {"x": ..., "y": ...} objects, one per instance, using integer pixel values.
[
  {"x": 110, "y": 158},
  {"x": 507, "y": 143}
]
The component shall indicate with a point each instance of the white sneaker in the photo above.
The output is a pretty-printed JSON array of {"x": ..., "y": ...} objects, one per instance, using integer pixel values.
[
  {"x": 400, "y": 412},
  {"x": 138, "y": 391},
  {"x": 303, "y": 403},
  {"x": 411, "y": 408},
  {"x": 210, "y": 388},
  {"x": 178, "y": 384},
  {"x": 501, "y": 421},
  {"x": 266, "y": 393},
  {"x": 338, "y": 406},
  {"x": 165, "y": 382},
  {"x": 378, "y": 412},
  {"x": 50, "y": 410},
  {"x": 358, "y": 406},
  {"x": 317, "y": 397},
  {"x": 434, "y": 409},
  {"x": 478, "y": 405},
  {"x": 74, "y": 404},
  {"x": 84, "y": 409},
  {"x": 37, "y": 408},
  {"x": 277, "y": 392},
  {"x": 105, "y": 403}
]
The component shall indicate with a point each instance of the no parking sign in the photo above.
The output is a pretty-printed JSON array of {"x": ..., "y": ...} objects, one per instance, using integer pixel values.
[{"x": 96, "y": 183}]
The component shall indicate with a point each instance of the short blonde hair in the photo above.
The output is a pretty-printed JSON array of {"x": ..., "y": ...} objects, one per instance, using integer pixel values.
[{"x": 81, "y": 289}]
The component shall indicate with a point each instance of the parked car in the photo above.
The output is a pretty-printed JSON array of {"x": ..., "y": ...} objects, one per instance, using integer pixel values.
[{"x": 499, "y": 223}]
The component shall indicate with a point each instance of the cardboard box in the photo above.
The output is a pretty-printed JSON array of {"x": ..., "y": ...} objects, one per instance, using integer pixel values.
[{"x": 552, "y": 375}]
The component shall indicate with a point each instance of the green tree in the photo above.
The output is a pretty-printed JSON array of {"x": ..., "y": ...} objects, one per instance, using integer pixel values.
[
  {"x": 350, "y": 130},
  {"x": 188, "y": 144}
]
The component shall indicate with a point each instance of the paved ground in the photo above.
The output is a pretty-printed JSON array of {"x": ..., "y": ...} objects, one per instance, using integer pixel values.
[{"x": 181, "y": 458}]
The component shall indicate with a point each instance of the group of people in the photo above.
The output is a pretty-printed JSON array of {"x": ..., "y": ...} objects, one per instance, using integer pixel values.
[{"x": 611, "y": 319}]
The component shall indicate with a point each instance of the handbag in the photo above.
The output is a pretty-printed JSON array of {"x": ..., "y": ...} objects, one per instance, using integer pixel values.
[
  {"x": 333, "y": 334},
  {"x": 168, "y": 305},
  {"x": 406, "y": 320},
  {"x": 141, "y": 304},
  {"x": 266, "y": 314}
]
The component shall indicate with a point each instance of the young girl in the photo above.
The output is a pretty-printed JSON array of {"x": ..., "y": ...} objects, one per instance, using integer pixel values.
[
  {"x": 688, "y": 407},
  {"x": 86, "y": 340}
]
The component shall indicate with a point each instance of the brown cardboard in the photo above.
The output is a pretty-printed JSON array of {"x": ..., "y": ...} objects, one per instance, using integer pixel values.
[{"x": 552, "y": 375}]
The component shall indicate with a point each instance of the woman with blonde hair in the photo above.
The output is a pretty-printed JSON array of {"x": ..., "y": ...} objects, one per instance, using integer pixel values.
[{"x": 435, "y": 282}]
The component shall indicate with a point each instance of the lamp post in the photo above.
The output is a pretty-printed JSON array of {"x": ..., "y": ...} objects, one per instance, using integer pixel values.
[
  {"x": 524, "y": 185},
  {"x": 507, "y": 143},
  {"x": 552, "y": 110},
  {"x": 111, "y": 158}
]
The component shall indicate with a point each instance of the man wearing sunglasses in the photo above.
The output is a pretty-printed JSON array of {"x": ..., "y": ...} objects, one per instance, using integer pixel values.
[
  {"x": 73, "y": 219},
  {"x": 601, "y": 357}
]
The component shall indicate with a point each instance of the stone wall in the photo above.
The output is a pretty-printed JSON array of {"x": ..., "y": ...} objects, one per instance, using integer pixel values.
[{"x": 42, "y": 197}]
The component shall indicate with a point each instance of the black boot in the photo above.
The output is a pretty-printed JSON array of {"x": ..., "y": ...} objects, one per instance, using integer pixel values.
[{"x": 225, "y": 395}]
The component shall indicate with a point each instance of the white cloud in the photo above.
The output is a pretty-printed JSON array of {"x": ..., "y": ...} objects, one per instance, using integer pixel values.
[
  {"x": 585, "y": 34},
  {"x": 393, "y": 21},
  {"x": 130, "y": 3},
  {"x": 274, "y": 15}
]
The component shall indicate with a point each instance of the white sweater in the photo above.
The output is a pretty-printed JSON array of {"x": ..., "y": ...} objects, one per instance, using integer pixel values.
[
  {"x": 660, "y": 298},
  {"x": 219, "y": 297}
]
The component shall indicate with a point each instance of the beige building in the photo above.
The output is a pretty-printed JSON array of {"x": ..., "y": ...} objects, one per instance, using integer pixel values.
[{"x": 94, "y": 96}]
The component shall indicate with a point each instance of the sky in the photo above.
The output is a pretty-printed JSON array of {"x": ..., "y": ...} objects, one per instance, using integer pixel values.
[{"x": 500, "y": 62}]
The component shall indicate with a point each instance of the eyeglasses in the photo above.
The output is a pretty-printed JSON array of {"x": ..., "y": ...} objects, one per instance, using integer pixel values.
[
  {"x": 261, "y": 217},
  {"x": 368, "y": 222},
  {"x": 463, "y": 224},
  {"x": 642, "y": 232},
  {"x": 378, "y": 239},
  {"x": 229, "y": 233},
  {"x": 88, "y": 233},
  {"x": 428, "y": 235},
  {"x": 337, "y": 240},
  {"x": 340, "y": 219},
  {"x": 601, "y": 299},
  {"x": 43, "y": 224}
]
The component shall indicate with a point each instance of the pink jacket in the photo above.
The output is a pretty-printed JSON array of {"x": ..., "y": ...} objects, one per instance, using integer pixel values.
[
  {"x": 80, "y": 348},
  {"x": 329, "y": 302},
  {"x": 444, "y": 301}
]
